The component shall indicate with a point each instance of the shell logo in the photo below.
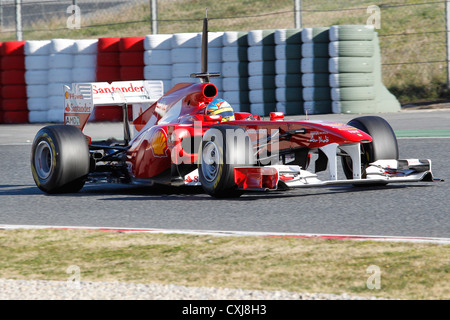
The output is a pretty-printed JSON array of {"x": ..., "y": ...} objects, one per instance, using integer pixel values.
[{"x": 159, "y": 144}]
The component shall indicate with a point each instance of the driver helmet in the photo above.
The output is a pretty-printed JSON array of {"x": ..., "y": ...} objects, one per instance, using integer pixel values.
[{"x": 220, "y": 107}]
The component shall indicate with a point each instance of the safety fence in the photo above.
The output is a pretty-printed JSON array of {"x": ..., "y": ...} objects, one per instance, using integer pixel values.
[{"x": 296, "y": 71}]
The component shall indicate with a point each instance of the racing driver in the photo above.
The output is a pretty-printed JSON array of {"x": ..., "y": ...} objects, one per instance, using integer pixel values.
[{"x": 220, "y": 107}]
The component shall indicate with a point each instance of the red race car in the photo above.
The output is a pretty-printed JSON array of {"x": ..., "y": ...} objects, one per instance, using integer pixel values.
[{"x": 188, "y": 136}]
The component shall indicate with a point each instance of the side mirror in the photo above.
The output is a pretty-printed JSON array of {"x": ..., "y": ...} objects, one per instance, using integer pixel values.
[{"x": 276, "y": 116}]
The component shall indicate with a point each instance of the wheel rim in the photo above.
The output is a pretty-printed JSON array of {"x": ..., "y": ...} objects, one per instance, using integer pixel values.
[
  {"x": 210, "y": 161},
  {"x": 43, "y": 159}
]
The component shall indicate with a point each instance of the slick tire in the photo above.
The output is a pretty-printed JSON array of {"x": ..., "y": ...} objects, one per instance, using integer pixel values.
[
  {"x": 316, "y": 34},
  {"x": 36, "y": 63},
  {"x": 351, "y": 65},
  {"x": 64, "y": 46},
  {"x": 315, "y": 79},
  {"x": 85, "y": 46},
  {"x": 158, "y": 41},
  {"x": 351, "y": 49},
  {"x": 383, "y": 146},
  {"x": 315, "y": 50},
  {"x": 184, "y": 40},
  {"x": 314, "y": 65},
  {"x": 60, "y": 159},
  {"x": 353, "y": 94},
  {"x": 235, "y": 39},
  {"x": 37, "y": 47},
  {"x": 288, "y": 36},
  {"x": 224, "y": 147},
  {"x": 261, "y": 37},
  {"x": 352, "y": 33},
  {"x": 338, "y": 80}
]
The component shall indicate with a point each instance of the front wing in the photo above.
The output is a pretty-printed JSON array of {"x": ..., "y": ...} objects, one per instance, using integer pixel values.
[
  {"x": 379, "y": 172},
  {"x": 274, "y": 177},
  {"x": 281, "y": 176}
]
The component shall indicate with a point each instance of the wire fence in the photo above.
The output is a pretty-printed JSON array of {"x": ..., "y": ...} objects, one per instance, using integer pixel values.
[{"x": 412, "y": 32}]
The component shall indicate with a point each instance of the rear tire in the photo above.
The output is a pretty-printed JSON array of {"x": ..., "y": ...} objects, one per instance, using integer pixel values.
[
  {"x": 60, "y": 159},
  {"x": 383, "y": 146}
]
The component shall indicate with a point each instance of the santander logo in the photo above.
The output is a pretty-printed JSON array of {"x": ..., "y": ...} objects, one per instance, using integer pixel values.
[{"x": 125, "y": 88}]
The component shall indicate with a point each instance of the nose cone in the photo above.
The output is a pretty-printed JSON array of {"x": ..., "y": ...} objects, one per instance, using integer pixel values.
[
  {"x": 342, "y": 132},
  {"x": 355, "y": 135}
]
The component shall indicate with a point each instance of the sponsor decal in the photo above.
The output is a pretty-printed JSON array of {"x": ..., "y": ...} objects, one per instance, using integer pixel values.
[
  {"x": 159, "y": 144},
  {"x": 320, "y": 139},
  {"x": 73, "y": 120},
  {"x": 78, "y": 109},
  {"x": 129, "y": 88},
  {"x": 192, "y": 179},
  {"x": 75, "y": 102},
  {"x": 71, "y": 95}
]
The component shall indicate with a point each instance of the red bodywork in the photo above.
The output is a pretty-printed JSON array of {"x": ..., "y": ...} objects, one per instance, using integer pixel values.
[{"x": 180, "y": 114}]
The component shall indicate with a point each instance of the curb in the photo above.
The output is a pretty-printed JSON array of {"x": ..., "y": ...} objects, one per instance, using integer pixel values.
[{"x": 433, "y": 240}]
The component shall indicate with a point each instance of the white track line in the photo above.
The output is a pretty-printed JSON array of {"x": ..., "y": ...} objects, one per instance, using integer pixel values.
[{"x": 243, "y": 233}]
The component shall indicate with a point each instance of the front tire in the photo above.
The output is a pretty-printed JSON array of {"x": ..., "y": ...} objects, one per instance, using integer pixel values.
[
  {"x": 60, "y": 159},
  {"x": 383, "y": 146},
  {"x": 224, "y": 148}
]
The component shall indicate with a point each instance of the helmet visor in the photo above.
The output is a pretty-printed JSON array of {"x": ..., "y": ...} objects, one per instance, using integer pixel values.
[{"x": 225, "y": 114}]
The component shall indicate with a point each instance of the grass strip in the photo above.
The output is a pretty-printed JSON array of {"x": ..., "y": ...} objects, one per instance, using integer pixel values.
[
  {"x": 392, "y": 270},
  {"x": 431, "y": 133}
]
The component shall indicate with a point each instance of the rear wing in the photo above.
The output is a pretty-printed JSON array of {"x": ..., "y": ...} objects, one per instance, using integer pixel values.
[{"x": 82, "y": 98}]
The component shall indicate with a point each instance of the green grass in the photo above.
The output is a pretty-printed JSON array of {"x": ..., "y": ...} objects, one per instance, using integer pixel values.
[
  {"x": 408, "y": 271},
  {"x": 422, "y": 133}
]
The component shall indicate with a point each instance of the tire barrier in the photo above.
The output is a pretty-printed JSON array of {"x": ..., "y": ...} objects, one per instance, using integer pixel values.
[
  {"x": 215, "y": 48},
  {"x": 131, "y": 58},
  {"x": 355, "y": 71},
  {"x": 261, "y": 71},
  {"x": 288, "y": 85},
  {"x": 183, "y": 68},
  {"x": 14, "y": 107},
  {"x": 158, "y": 58},
  {"x": 314, "y": 69},
  {"x": 235, "y": 70},
  {"x": 108, "y": 70},
  {"x": 51, "y": 64},
  {"x": 84, "y": 61},
  {"x": 36, "y": 77},
  {"x": 59, "y": 74},
  {"x": 131, "y": 63},
  {"x": 295, "y": 71}
]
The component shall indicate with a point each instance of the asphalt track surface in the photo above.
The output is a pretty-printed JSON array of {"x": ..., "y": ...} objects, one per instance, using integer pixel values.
[{"x": 409, "y": 210}]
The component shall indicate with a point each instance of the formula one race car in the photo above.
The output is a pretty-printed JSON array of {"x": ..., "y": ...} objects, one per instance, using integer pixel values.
[{"x": 189, "y": 137}]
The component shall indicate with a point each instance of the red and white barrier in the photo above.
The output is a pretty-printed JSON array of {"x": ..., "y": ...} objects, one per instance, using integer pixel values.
[
  {"x": 108, "y": 70},
  {"x": 158, "y": 58},
  {"x": 36, "y": 77},
  {"x": 257, "y": 76},
  {"x": 13, "y": 87},
  {"x": 131, "y": 58}
]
